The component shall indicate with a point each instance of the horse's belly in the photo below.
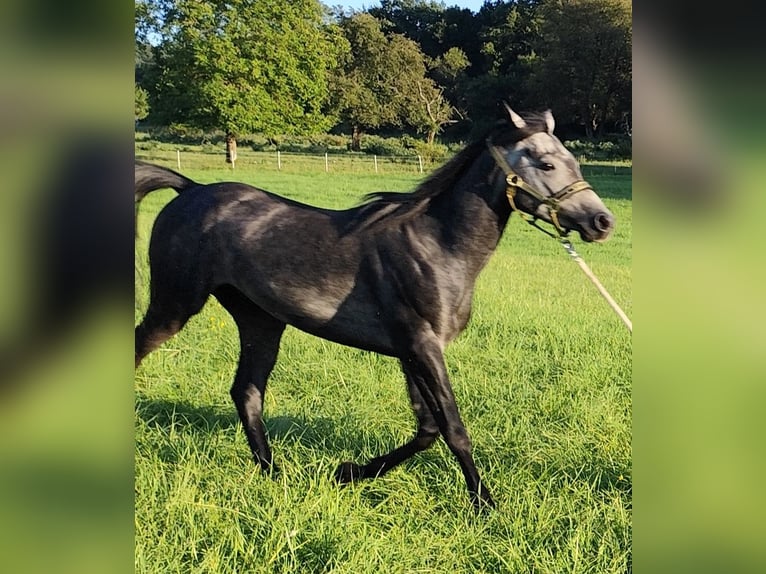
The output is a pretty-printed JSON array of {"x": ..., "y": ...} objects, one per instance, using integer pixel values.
[
  {"x": 336, "y": 315},
  {"x": 365, "y": 337}
]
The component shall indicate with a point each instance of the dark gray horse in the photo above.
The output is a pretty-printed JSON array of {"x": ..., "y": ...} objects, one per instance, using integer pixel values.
[{"x": 395, "y": 275}]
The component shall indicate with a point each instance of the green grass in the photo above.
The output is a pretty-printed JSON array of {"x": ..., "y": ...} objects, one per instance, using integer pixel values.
[{"x": 541, "y": 375}]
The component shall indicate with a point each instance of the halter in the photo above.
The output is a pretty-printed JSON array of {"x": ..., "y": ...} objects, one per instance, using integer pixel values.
[{"x": 514, "y": 182}]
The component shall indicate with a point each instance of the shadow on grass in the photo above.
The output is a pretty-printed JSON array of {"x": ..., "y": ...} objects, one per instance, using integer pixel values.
[
  {"x": 334, "y": 436},
  {"x": 346, "y": 439},
  {"x": 165, "y": 414},
  {"x": 324, "y": 440},
  {"x": 336, "y": 439}
]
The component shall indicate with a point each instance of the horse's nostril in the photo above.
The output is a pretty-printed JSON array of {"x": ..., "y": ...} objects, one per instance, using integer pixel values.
[{"x": 603, "y": 222}]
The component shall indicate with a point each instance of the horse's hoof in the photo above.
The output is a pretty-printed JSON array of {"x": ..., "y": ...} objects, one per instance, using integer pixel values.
[
  {"x": 483, "y": 502},
  {"x": 268, "y": 468},
  {"x": 348, "y": 472}
]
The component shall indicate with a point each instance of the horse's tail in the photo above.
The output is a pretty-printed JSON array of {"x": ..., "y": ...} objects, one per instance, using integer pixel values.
[{"x": 150, "y": 177}]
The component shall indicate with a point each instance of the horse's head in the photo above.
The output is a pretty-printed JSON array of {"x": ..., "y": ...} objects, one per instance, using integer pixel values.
[{"x": 544, "y": 178}]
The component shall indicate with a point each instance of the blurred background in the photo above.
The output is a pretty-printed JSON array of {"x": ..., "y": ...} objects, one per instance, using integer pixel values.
[
  {"x": 699, "y": 360},
  {"x": 66, "y": 438},
  {"x": 66, "y": 401}
]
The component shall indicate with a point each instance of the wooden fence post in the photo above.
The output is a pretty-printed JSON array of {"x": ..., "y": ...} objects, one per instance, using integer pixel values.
[
  {"x": 375, "y": 159},
  {"x": 420, "y": 163},
  {"x": 326, "y": 165},
  {"x": 178, "y": 159},
  {"x": 279, "y": 161}
]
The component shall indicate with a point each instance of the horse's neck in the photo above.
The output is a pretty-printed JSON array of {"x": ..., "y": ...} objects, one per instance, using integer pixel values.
[{"x": 474, "y": 215}]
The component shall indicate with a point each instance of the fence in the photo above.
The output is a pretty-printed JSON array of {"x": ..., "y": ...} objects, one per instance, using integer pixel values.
[{"x": 293, "y": 162}]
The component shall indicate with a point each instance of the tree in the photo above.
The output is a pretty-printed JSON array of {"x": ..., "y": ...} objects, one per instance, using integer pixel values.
[
  {"x": 585, "y": 64},
  {"x": 383, "y": 82},
  {"x": 444, "y": 35},
  {"x": 420, "y": 100},
  {"x": 244, "y": 66},
  {"x": 450, "y": 65},
  {"x": 419, "y": 20},
  {"x": 145, "y": 24},
  {"x": 509, "y": 32},
  {"x": 141, "y": 108},
  {"x": 431, "y": 111},
  {"x": 361, "y": 95}
]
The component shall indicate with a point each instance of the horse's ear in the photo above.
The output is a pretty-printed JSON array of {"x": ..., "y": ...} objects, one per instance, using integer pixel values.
[
  {"x": 516, "y": 119},
  {"x": 549, "y": 121}
]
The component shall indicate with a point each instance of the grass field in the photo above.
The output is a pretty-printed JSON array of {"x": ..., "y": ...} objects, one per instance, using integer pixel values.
[{"x": 542, "y": 376}]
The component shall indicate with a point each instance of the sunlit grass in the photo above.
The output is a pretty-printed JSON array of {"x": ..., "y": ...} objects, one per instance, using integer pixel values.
[{"x": 542, "y": 376}]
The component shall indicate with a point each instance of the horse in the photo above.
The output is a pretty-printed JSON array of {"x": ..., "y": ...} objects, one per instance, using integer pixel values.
[{"x": 394, "y": 275}]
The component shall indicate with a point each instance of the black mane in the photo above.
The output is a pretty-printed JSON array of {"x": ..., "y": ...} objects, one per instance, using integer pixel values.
[
  {"x": 393, "y": 205},
  {"x": 444, "y": 178}
]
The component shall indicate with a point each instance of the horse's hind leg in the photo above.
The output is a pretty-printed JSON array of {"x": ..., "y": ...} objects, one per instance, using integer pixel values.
[
  {"x": 259, "y": 336},
  {"x": 176, "y": 292},
  {"x": 426, "y": 434},
  {"x": 162, "y": 321}
]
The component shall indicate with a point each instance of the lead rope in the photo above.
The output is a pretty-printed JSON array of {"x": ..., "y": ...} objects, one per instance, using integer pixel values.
[
  {"x": 513, "y": 182},
  {"x": 601, "y": 289},
  {"x": 567, "y": 245}
]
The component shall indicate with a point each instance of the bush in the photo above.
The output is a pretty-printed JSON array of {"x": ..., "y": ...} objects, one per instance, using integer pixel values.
[
  {"x": 611, "y": 149},
  {"x": 258, "y": 142},
  {"x": 377, "y": 145},
  {"x": 147, "y": 145},
  {"x": 409, "y": 142},
  {"x": 432, "y": 153},
  {"x": 182, "y": 133}
]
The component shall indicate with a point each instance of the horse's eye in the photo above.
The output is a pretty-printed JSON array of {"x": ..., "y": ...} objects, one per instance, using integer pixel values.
[{"x": 546, "y": 166}]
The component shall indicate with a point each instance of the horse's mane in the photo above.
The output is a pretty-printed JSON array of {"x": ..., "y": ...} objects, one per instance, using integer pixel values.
[{"x": 383, "y": 203}]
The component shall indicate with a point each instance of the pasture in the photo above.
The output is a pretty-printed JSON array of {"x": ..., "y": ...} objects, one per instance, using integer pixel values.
[{"x": 542, "y": 376}]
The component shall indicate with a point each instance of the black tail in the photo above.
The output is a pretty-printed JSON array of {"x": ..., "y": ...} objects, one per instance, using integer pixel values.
[{"x": 150, "y": 177}]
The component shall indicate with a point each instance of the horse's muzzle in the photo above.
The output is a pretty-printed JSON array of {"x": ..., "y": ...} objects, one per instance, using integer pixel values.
[{"x": 601, "y": 226}]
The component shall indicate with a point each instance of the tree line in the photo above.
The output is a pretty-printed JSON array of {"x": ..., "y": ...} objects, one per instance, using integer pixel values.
[{"x": 414, "y": 66}]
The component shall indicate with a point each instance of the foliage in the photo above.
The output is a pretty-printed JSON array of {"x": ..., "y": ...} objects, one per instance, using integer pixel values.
[
  {"x": 363, "y": 88},
  {"x": 430, "y": 110},
  {"x": 383, "y": 82},
  {"x": 311, "y": 144},
  {"x": 614, "y": 148},
  {"x": 431, "y": 152},
  {"x": 141, "y": 107},
  {"x": 610, "y": 148},
  {"x": 416, "y": 65},
  {"x": 450, "y": 66},
  {"x": 584, "y": 71},
  {"x": 377, "y": 145},
  {"x": 244, "y": 66}
]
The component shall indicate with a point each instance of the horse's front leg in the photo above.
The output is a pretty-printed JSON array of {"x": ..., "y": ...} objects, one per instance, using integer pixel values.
[
  {"x": 427, "y": 359},
  {"x": 434, "y": 405}
]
